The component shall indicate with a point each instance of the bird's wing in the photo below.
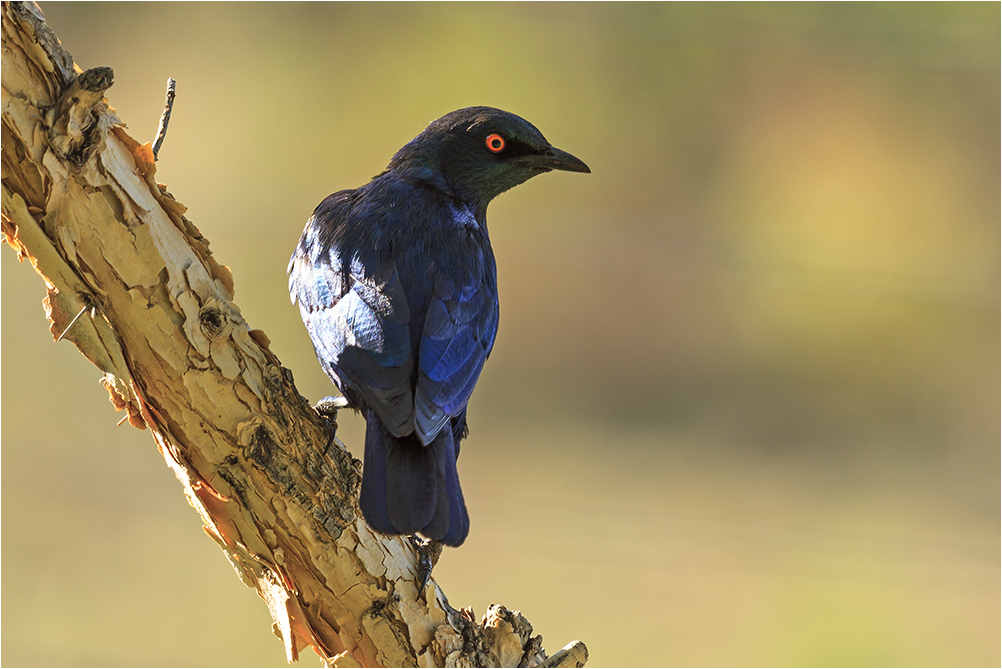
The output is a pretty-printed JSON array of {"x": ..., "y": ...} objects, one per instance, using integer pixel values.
[
  {"x": 358, "y": 321},
  {"x": 459, "y": 331}
]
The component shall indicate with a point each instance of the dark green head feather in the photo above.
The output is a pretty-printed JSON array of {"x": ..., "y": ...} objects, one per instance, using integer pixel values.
[{"x": 454, "y": 153}]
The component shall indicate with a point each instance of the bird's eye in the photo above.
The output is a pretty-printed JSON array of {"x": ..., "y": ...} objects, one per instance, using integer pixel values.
[{"x": 495, "y": 142}]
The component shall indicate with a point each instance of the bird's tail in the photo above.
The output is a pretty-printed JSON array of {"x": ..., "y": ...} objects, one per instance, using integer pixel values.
[{"x": 408, "y": 487}]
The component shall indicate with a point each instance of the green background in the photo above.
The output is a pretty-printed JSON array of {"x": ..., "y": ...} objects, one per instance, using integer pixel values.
[{"x": 744, "y": 403}]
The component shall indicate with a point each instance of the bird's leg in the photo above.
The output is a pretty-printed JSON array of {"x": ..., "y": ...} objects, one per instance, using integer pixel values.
[
  {"x": 327, "y": 408},
  {"x": 428, "y": 551}
]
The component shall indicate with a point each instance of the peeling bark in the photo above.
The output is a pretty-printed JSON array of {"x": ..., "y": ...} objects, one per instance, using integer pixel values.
[{"x": 132, "y": 283}]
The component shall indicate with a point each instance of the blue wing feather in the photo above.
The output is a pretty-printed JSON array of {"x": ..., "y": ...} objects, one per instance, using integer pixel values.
[
  {"x": 442, "y": 358},
  {"x": 438, "y": 324},
  {"x": 358, "y": 321},
  {"x": 459, "y": 330}
]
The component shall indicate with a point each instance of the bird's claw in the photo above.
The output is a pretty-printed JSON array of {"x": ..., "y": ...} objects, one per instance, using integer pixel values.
[
  {"x": 327, "y": 408},
  {"x": 429, "y": 551}
]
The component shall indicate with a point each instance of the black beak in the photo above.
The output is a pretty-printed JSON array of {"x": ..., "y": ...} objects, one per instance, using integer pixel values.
[{"x": 555, "y": 159}]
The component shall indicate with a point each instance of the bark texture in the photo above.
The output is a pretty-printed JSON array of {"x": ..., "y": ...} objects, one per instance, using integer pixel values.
[{"x": 132, "y": 283}]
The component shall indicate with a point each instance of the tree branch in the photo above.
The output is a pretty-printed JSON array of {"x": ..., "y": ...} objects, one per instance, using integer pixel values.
[
  {"x": 164, "y": 118},
  {"x": 132, "y": 283}
]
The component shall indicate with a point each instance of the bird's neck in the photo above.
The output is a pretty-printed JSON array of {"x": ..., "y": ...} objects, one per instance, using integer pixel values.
[{"x": 473, "y": 210}]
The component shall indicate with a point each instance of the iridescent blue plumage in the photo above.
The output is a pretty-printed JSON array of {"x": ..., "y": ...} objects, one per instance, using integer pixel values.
[{"x": 397, "y": 285}]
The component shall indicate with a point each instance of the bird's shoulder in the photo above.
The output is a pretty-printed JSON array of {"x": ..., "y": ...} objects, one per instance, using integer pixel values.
[{"x": 393, "y": 223}]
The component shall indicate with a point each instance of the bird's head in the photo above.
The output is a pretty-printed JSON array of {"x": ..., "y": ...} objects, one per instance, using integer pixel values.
[{"x": 481, "y": 152}]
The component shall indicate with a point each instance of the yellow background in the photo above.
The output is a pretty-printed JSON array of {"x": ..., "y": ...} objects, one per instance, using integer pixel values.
[{"x": 744, "y": 403}]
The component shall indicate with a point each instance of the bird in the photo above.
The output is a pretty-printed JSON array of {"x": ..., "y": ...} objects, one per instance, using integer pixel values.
[{"x": 396, "y": 283}]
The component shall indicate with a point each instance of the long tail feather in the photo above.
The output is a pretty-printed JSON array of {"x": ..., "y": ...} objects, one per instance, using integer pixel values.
[{"x": 409, "y": 488}]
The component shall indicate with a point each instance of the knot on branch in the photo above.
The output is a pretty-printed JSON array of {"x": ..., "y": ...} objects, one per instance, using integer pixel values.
[
  {"x": 212, "y": 320},
  {"x": 261, "y": 446},
  {"x": 502, "y": 639},
  {"x": 79, "y": 122},
  {"x": 96, "y": 80}
]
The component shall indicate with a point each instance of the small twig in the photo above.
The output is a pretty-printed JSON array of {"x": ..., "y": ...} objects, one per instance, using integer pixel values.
[
  {"x": 574, "y": 654},
  {"x": 164, "y": 117},
  {"x": 88, "y": 304}
]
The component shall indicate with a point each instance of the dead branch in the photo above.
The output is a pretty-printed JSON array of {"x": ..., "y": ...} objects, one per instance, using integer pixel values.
[
  {"x": 80, "y": 202},
  {"x": 164, "y": 118}
]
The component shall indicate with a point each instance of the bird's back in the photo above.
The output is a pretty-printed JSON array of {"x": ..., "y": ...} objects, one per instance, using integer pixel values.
[{"x": 422, "y": 254}]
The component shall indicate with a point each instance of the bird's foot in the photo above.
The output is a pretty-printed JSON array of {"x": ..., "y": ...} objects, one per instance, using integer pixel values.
[
  {"x": 327, "y": 408},
  {"x": 429, "y": 551}
]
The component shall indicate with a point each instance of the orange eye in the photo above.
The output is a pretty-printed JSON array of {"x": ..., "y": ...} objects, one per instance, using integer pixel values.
[{"x": 495, "y": 143}]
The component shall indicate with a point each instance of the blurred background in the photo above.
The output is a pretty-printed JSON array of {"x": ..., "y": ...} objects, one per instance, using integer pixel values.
[{"x": 743, "y": 408}]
